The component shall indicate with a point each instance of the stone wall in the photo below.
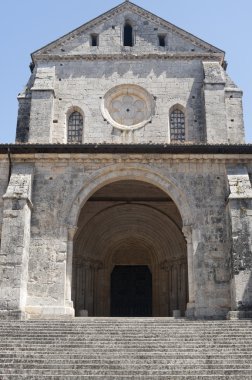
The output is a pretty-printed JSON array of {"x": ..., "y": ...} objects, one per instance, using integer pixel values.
[
  {"x": 83, "y": 84},
  {"x": 218, "y": 238},
  {"x": 198, "y": 189},
  {"x": 213, "y": 115},
  {"x": 110, "y": 40},
  {"x": 71, "y": 75},
  {"x": 4, "y": 173}
]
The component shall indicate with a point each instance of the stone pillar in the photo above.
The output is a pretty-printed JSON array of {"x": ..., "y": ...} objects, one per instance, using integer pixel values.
[
  {"x": 187, "y": 231},
  {"x": 97, "y": 266},
  {"x": 240, "y": 211},
  {"x": 14, "y": 255},
  {"x": 234, "y": 115},
  {"x": 215, "y": 107},
  {"x": 176, "y": 285}
]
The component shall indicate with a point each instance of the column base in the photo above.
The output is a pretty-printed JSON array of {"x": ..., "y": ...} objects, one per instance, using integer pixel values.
[
  {"x": 15, "y": 315},
  {"x": 210, "y": 313},
  {"x": 49, "y": 312},
  {"x": 190, "y": 310}
]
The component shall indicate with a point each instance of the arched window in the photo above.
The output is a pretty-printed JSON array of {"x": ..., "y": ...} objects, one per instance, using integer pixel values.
[
  {"x": 75, "y": 128},
  {"x": 177, "y": 125},
  {"x": 128, "y": 34}
]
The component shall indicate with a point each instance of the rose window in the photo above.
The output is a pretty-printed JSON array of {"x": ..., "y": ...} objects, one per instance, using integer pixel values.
[
  {"x": 127, "y": 107},
  {"x": 128, "y": 110}
]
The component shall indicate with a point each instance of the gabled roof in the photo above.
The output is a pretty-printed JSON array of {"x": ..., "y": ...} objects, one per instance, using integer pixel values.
[{"x": 128, "y": 6}]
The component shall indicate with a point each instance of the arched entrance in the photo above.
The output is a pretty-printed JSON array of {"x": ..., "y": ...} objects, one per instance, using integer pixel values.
[{"x": 130, "y": 228}]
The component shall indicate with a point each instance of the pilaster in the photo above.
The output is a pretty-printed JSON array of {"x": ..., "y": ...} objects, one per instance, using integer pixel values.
[
  {"x": 240, "y": 211},
  {"x": 14, "y": 255},
  {"x": 215, "y": 108},
  {"x": 42, "y": 106}
]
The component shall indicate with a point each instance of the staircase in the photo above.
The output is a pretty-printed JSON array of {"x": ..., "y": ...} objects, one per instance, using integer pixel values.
[{"x": 125, "y": 348}]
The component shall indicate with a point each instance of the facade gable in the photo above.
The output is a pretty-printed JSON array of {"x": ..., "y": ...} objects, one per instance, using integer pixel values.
[{"x": 106, "y": 31}]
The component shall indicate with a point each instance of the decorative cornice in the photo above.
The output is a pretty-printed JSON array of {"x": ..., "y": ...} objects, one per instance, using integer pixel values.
[
  {"x": 137, "y": 10},
  {"x": 130, "y": 57}
]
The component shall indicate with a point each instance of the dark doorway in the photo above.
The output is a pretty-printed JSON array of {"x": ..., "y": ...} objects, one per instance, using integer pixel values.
[{"x": 131, "y": 291}]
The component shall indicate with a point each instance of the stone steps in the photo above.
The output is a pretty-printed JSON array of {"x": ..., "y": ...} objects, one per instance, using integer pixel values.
[
  {"x": 175, "y": 356},
  {"x": 118, "y": 374},
  {"x": 135, "y": 367},
  {"x": 134, "y": 362},
  {"x": 123, "y": 348},
  {"x": 124, "y": 377}
]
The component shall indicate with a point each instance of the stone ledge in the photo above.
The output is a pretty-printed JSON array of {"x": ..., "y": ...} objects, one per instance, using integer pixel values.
[{"x": 243, "y": 314}]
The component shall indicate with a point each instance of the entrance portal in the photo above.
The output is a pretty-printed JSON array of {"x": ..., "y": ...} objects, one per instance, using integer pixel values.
[
  {"x": 130, "y": 256},
  {"x": 131, "y": 291}
]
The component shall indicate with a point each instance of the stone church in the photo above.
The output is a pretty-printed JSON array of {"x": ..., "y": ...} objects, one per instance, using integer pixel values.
[{"x": 128, "y": 191}]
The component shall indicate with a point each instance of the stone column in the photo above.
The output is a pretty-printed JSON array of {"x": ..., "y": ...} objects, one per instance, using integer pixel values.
[
  {"x": 97, "y": 266},
  {"x": 14, "y": 255},
  {"x": 187, "y": 231},
  {"x": 69, "y": 266},
  {"x": 240, "y": 210}
]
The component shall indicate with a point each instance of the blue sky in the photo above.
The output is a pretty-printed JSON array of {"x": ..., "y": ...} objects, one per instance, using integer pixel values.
[{"x": 28, "y": 25}]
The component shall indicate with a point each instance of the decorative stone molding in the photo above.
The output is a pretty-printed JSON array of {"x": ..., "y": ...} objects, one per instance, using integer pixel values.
[
  {"x": 214, "y": 73},
  {"x": 187, "y": 231},
  {"x": 89, "y": 263},
  {"x": 215, "y": 57},
  {"x": 71, "y": 232},
  {"x": 20, "y": 186},
  {"x": 239, "y": 182},
  {"x": 167, "y": 264},
  {"x": 127, "y": 107}
]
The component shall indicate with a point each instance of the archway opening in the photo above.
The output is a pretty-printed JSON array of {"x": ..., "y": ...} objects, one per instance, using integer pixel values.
[{"x": 130, "y": 256}]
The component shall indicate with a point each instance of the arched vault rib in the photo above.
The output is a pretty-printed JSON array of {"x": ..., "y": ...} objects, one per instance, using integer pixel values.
[
  {"x": 122, "y": 225},
  {"x": 115, "y": 173},
  {"x": 127, "y": 221}
]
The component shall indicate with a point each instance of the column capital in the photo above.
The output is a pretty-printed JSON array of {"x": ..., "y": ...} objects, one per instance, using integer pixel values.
[
  {"x": 71, "y": 231},
  {"x": 187, "y": 232}
]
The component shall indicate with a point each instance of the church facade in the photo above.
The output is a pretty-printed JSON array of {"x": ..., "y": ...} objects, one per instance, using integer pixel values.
[{"x": 128, "y": 191}]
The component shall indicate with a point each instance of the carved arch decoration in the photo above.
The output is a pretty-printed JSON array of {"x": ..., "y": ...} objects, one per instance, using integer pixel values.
[
  {"x": 116, "y": 173},
  {"x": 120, "y": 172}
]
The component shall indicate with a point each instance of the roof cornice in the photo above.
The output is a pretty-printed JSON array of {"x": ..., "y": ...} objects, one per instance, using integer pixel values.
[{"x": 242, "y": 150}]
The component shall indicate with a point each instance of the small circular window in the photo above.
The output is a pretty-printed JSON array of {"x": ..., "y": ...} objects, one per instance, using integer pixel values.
[{"x": 127, "y": 107}]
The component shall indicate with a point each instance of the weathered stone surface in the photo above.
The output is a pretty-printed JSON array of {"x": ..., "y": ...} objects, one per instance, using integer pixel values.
[
  {"x": 76, "y": 75},
  {"x": 69, "y": 219}
]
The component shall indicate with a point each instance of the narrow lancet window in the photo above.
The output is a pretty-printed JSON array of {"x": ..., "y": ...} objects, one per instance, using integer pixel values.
[
  {"x": 177, "y": 125},
  {"x": 94, "y": 39},
  {"x": 75, "y": 128},
  {"x": 162, "y": 40},
  {"x": 128, "y": 35}
]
